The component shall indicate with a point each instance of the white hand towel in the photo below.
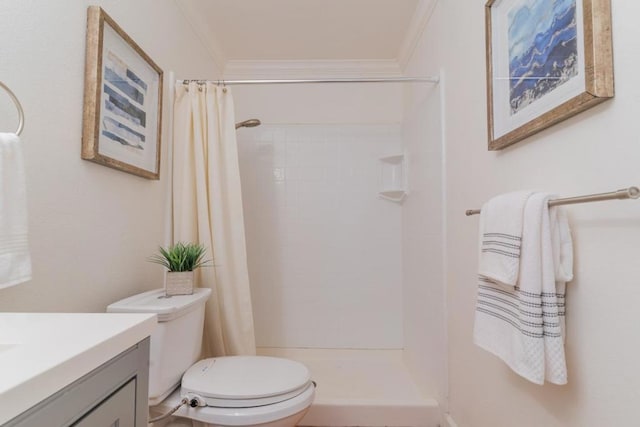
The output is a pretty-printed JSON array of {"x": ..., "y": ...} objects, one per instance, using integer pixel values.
[
  {"x": 502, "y": 237},
  {"x": 522, "y": 325},
  {"x": 15, "y": 260},
  {"x": 562, "y": 245},
  {"x": 553, "y": 295},
  {"x": 563, "y": 258},
  {"x": 509, "y": 319}
]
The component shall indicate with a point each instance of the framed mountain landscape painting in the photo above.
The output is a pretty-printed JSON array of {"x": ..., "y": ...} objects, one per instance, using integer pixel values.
[{"x": 547, "y": 60}]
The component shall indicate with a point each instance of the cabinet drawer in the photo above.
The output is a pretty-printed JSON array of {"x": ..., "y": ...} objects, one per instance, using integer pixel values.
[
  {"x": 125, "y": 377},
  {"x": 117, "y": 410}
]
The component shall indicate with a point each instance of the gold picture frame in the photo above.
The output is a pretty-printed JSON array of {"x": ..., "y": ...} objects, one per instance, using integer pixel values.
[
  {"x": 122, "y": 119},
  {"x": 535, "y": 78}
]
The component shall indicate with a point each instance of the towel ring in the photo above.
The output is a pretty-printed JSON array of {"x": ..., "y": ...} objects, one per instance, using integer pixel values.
[{"x": 18, "y": 106}]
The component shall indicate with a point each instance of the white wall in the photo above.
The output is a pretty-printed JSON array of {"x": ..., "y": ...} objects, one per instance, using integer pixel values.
[
  {"x": 324, "y": 251},
  {"x": 423, "y": 223},
  {"x": 595, "y": 151},
  {"x": 91, "y": 227}
]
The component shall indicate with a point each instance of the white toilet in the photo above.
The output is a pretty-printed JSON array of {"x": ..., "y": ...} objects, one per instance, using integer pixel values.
[{"x": 222, "y": 391}]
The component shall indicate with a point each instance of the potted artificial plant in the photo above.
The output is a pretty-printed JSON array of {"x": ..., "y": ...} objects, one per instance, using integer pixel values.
[{"x": 180, "y": 260}]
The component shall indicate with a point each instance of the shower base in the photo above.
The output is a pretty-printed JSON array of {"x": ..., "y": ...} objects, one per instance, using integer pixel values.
[{"x": 361, "y": 388}]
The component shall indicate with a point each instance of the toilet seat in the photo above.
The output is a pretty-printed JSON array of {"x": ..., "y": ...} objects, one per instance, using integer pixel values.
[
  {"x": 245, "y": 416},
  {"x": 244, "y": 381}
]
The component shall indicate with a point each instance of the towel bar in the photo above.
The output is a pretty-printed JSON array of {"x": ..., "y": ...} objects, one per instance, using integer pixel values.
[
  {"x": 18, "y": 106},
  {"x": 625, "y": 193}
]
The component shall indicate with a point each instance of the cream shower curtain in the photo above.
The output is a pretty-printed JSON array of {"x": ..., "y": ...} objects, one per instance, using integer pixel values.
[{"x": 207, "y": 208}]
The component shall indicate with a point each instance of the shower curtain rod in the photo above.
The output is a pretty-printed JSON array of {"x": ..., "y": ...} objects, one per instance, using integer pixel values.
[{"x": 431, "y": 79}]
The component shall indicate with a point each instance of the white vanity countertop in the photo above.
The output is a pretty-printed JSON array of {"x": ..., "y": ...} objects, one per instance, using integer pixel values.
[{"x": 40, "y": 353}]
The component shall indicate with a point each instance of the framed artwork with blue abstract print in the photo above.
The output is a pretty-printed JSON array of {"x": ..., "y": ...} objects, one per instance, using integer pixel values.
[
  {"x": 547, "y": 60},
  {"x": 122, "y": 120}
]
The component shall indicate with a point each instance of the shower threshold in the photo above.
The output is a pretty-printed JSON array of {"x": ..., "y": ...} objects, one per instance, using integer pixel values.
[{"x": 361, "y": 388}]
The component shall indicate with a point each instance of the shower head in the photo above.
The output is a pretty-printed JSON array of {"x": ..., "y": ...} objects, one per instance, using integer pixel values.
[{"x": 248, "y": 123}]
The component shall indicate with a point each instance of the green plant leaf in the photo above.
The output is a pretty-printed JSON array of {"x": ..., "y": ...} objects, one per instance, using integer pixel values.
[{"x": 181, "y": 257}]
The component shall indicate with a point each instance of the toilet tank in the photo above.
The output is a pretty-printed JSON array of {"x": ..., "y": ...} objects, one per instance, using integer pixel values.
[{"x": 176, "y": 342}]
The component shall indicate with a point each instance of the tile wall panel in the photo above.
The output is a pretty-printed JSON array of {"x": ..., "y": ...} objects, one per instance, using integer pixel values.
[{"x": 324, "y": 251}]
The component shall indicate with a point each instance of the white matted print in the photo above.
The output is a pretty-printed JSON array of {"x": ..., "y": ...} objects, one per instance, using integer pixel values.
[
  {"x": 539, "y": 70},
  {"x": 123, "y": 100}
]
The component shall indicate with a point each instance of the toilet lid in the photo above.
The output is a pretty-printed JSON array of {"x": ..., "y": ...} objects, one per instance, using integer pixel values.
[{"x": 245, "y": 381}]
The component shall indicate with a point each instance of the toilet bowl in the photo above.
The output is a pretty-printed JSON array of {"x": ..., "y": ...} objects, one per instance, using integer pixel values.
[
  {"x": 283, "y": 414},
  {"x": 221, "y": 391}
]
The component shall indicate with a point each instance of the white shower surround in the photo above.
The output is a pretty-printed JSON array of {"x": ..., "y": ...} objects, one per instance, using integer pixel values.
[
  {"x": 324, "y": 251},
  {"x": 421, "y": 342}
]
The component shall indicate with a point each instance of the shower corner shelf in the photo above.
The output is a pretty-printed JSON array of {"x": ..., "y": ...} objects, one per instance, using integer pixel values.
[
  {"x": 393, "y": 195},
  {"x": 393, "y": 178},
  {"x": 395, "y": 159}
]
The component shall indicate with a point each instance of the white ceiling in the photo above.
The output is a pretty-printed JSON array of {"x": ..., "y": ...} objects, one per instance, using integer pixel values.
[{"x": 297, "y": 30}]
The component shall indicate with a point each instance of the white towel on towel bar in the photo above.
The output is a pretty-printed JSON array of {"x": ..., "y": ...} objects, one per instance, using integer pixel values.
[
  {"x": 15, "y": 259},
  {"x": 524, "y": 325},
  {"x": 553, "y": 299},
  {"x": 500, "y": 241}
]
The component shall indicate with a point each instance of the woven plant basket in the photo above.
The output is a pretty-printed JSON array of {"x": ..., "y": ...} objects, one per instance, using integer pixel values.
[{"x": 178, "y": 283}]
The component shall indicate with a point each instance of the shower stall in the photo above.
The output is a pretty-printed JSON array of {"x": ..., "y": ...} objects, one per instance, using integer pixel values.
[{"x": 342, "y": 279}]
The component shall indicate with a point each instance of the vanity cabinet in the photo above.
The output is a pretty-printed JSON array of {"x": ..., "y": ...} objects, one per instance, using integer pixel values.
[{"x": 112, "y": 395}]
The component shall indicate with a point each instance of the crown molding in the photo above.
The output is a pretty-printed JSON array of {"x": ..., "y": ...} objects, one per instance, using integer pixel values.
[
  {"x": 419, "y": 22},
  {"x": 270, "y": 69},
  {"x": 203, "y": 31},
  {"x": 300, "y": 69}
]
